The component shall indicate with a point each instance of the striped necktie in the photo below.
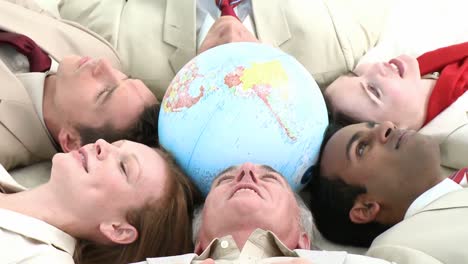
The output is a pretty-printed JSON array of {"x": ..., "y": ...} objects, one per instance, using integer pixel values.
[{"x": 460, "y": 176}]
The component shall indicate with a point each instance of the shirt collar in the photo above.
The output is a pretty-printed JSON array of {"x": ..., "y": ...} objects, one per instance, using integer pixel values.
[
  {"x": 34, "y": 84},
  {"x": 260, "y": 244},
  {"x": 429, "y": 196},
  {"x": 36, "y": 229}
]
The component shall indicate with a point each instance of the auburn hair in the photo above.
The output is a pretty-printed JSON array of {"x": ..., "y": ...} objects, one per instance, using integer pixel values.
[{"x": 164, "y": 226}]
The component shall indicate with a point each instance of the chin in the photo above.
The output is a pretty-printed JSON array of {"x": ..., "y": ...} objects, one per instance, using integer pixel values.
[
  {"x": 429, "y": 148},
  {"x": 58, "y": 159}
]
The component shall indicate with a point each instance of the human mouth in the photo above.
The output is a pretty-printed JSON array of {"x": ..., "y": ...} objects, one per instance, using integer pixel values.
[
  {"x": 398, "y": 66},
  {"x": 246, "y": 189},
  {"x": 402, "y": 138}
]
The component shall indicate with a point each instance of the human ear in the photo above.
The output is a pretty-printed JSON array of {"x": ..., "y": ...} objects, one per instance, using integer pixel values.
[
  {"x": 304, "y": 241},
  {"x": 364, "y": 211},
  {"x": 69, "y": 139},
  {"x": 119, "y": 233}
]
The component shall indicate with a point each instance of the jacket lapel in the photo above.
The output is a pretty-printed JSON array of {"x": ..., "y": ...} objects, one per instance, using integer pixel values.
[
  {"x": 270, "y": 22},
  {"x": 180, "y": 31},
  {"x": 17, "y": 114},
  {"x": 456, "y": 199},
  {"x": 57, "y": 37}
]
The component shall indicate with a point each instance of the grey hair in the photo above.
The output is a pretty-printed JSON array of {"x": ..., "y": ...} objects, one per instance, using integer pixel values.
[
  {"x": 305, "y": 216},
  {"x": 305, "y": 219},
  {"x": 196, "y": 222}
]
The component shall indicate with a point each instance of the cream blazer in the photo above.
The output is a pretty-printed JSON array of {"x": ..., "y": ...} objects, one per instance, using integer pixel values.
[
  {"x": 156, "y": 38},
  {"x": 24, "y": 139},
  {"x": 450, "y": 129},
  {"x": 436, "y": 235}
]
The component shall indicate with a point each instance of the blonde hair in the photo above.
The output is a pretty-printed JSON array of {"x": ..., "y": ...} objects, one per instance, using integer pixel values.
[{"x": 164, "y": 226}]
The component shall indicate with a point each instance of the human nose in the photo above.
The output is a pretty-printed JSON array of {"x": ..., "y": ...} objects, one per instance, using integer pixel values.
[
  {"x": 104, "y": 70},
  {"x": 384, "y": 130},
  {"x": 102, "y": 149},
  {"x": 377, "y": 69},
  {"x": 247, "y": 173}
]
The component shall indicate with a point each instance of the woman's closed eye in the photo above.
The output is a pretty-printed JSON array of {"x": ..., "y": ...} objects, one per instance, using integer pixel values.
[{"x": 373, "y": 90}]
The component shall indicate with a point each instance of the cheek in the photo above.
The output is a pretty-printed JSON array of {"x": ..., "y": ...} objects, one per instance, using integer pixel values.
[{"x": 396, "y": 93}]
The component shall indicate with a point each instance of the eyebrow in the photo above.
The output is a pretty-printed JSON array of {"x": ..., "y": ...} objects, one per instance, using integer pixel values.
[
  {"x": 355, "y": 137},
  {"x": 135, "y": 158},
  {"x": 225, "y": 170},
  {"x": 283, "y": 182}
]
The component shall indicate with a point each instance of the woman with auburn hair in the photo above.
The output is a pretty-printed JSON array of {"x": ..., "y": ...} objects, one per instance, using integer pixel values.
[{"x": 122, "y": 201}]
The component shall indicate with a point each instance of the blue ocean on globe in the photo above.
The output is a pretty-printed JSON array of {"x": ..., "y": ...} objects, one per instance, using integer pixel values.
[{"x": 243, "y": 102}]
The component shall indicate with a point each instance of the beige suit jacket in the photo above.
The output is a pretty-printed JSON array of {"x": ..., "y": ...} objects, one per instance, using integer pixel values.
[
  {"x": 24, "y": 139},
  {"x": 156, "y": 38},
  {"x": 28, "y": 240},
  {"x": 450, "y": 129},
  {"x": 438, "y": 234}
]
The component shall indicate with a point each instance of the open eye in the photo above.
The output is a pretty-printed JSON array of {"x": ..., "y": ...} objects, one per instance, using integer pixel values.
[
  {"x": 374, "y": 90},
  {"x": 360, "y": 148}
]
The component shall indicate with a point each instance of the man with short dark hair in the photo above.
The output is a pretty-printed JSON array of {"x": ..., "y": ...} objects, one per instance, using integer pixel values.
[
  {"x": 379, "y": 184},
  {"x": 67, "y": 101},
  {"x": 252, "y": 216}
]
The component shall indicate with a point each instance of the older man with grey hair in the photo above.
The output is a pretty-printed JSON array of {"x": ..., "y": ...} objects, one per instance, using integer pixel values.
[{"x": 251, "y": 215}]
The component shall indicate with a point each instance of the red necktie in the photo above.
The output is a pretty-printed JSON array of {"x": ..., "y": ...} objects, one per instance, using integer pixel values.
[
  {"x": 39, "y": 61},
  {"x": 459, "y": 176},
  {"x": 227, "y": 7}
]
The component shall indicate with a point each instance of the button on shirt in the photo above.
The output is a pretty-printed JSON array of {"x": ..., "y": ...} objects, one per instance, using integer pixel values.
[{"x": 208, "y": 12}]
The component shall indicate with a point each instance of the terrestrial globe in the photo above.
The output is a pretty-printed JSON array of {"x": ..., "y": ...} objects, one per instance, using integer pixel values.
[{"x": 243, "y": 102}]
